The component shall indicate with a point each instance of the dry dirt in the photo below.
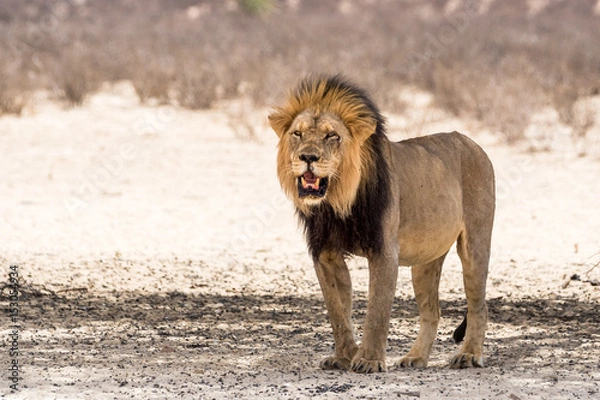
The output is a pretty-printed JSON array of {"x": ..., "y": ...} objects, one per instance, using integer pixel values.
[{"x": 159, "y": 259}]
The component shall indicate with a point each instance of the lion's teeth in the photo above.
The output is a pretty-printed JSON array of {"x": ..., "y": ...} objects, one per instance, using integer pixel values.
[{"x": 312, "y": 184}]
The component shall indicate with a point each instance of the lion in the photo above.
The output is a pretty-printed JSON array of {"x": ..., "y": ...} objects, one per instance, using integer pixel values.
[{"x": 397, "y": 204}]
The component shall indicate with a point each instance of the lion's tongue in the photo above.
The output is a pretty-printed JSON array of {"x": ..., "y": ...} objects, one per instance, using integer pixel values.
[{"x": 310, "y": 181}]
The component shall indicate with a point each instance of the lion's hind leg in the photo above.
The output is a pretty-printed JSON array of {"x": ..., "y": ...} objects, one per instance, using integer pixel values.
[
  {"x": 474, "y": 252},
  {"x": 426, "y": 281},
  {"x": 473, "y": 247}
]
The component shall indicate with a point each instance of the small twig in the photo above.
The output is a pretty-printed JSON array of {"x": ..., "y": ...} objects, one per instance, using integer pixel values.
[
  {"x": 79, "y": 289},
  {"x": 594, "y": 255},
  {"x": 594, "y": 266},
  {"x": 591, "y": 269}
]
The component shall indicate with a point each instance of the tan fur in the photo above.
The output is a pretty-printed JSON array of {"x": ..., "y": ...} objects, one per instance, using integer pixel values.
[{"x": 441, "y": 191}]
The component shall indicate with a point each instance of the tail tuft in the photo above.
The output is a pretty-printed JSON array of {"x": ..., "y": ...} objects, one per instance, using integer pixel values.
[{"x": 459, "y": 333}]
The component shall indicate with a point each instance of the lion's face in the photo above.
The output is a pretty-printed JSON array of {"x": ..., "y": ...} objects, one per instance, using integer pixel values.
[
  {"x": 318, "y": 161},
  {"x": 321, "y": 156},
  {"x": 315, "y": 151}
]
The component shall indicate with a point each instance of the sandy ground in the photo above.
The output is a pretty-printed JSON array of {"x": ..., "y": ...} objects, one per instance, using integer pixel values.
[{"x": 159, "y": 259}]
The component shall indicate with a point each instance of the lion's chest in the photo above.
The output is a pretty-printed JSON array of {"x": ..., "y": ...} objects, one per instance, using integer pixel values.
[{"x": 358, "y": 233}]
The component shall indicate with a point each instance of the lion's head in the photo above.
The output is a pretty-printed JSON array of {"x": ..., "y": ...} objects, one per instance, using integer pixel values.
[{"x": 322, "y": 156}]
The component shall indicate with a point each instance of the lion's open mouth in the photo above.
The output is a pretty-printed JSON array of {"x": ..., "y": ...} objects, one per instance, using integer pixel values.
[{"x": 311, "y": 185}]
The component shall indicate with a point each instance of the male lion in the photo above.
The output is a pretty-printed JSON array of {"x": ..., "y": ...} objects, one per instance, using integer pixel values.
[{"x": 402, "y": 203}]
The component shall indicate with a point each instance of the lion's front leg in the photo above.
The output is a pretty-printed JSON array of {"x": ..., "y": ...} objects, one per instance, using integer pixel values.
[
  {"x": 383, "y": 274},
  {"x": 336, "y": 286}
]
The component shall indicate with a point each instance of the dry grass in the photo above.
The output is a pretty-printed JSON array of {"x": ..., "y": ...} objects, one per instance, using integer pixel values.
[
  {"x": 14, "y": 94},
  {"x": 74, "y": 81},
  {"x": 12, "y": 101},
  {"x": 498, "y": 66}
]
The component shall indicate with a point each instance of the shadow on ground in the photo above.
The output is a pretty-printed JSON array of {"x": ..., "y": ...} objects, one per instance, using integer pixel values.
[
  {"x": 555, "y": 330},
  {"x": 61, "y": 309}
]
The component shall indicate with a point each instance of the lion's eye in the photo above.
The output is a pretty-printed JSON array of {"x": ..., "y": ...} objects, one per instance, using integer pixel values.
[
  {"x": 297, "y": 134},
  {"x": 332, "y": 136}
]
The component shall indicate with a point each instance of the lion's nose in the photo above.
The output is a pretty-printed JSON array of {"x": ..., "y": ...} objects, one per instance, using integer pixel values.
[{"x": 309, "y": 158}]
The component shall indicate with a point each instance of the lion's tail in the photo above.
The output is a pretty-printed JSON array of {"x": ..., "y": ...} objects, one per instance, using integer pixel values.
[{"x": 459, "y": 333}]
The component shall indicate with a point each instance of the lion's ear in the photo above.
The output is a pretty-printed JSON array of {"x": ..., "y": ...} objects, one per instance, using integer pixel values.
[
  {"x": 365, "y": 129},
  {"x": 279, "y": 123}
]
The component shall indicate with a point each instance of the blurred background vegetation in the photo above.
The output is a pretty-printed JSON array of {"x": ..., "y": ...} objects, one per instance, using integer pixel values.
[{"x": 498, "y": 61}]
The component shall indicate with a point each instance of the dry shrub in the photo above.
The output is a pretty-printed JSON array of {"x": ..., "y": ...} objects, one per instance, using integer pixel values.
[
  {"x": 74, "y": 76},
  {"x": 14, "y": 92},
  {"x": 492, "y": 94},
  {"x": 573, "y": 110},
  {"x": 572, "y": 85},
  {"x": 151, "y": 73},
  {"x": 499, "y": 66},
  {"x": 151, "y": 83},
  {"x": 12, "y": 100},
  {"x": 196, "y": 89},
  {"x": 74, "y": 85},
  {"x": 199, "y": 83},
  {"x": 15, "y": 85},
  {"x": 503, "y": 68}
]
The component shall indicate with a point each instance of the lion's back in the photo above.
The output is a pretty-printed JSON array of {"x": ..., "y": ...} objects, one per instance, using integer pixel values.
[{"x": 455, "y": 152}]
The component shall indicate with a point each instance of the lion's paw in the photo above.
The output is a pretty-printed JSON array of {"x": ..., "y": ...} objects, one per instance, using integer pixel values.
[
  {"x": 364, "y": 366},
  {"x": 466, "y": 360},
  {"x": 411, "y": 362},
  {"x": 335, "y": 363}
]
